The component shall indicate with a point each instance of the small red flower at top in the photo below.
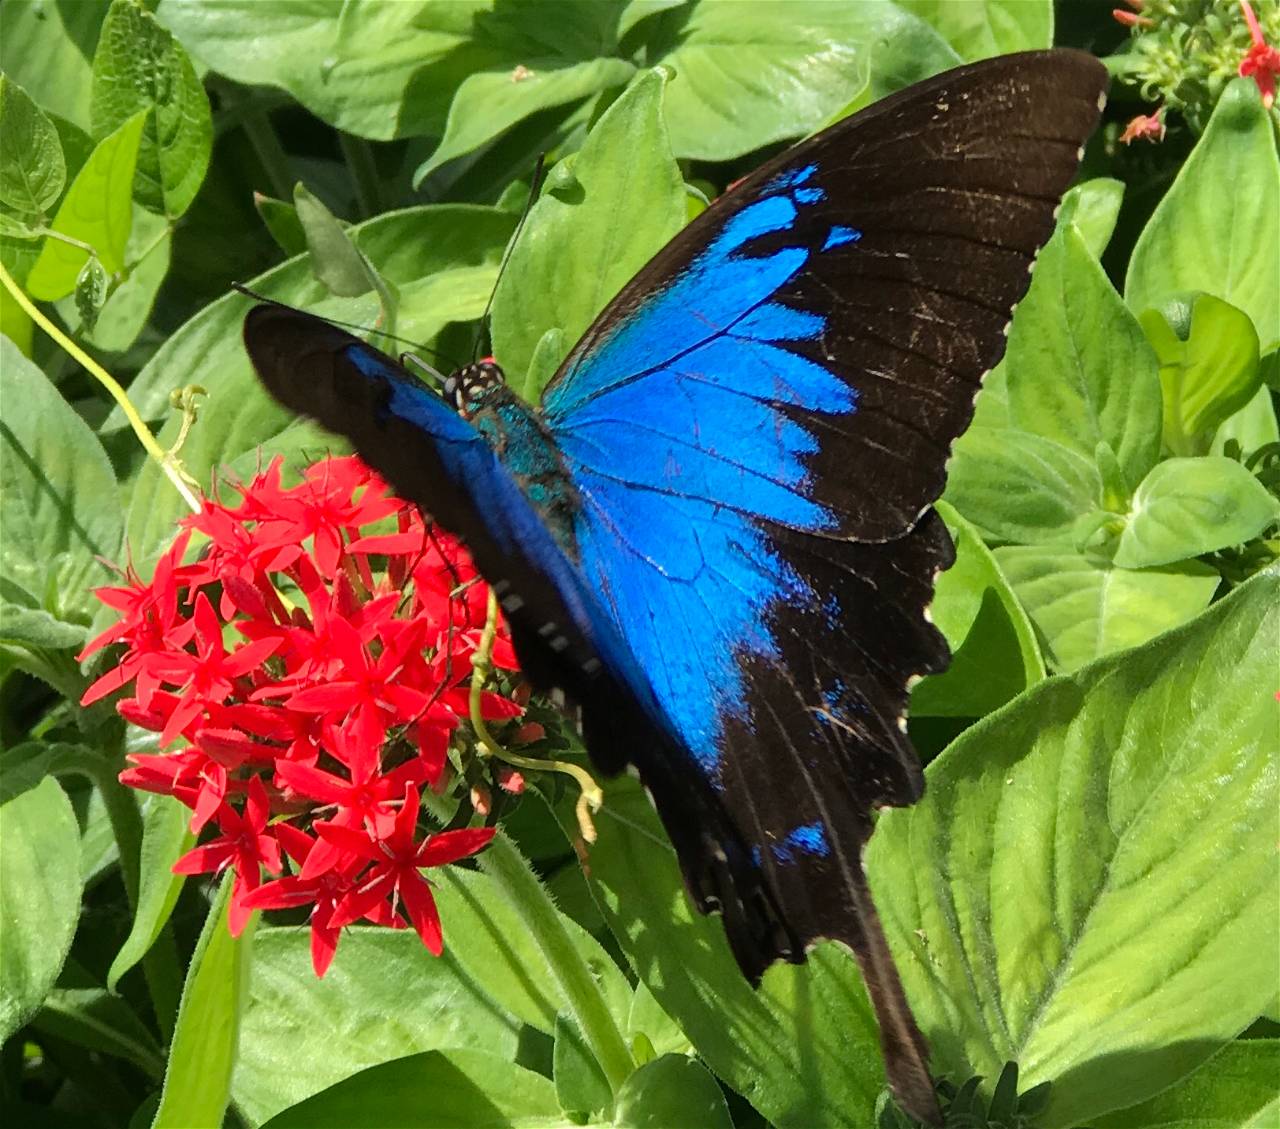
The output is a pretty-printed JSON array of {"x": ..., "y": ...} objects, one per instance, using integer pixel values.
[
  {"x": 1261, "y": 62},
  {"x": 314, "y": 660},
  {"x": 1131, "y": 19},
  {"x": 1145, "y": 127}
]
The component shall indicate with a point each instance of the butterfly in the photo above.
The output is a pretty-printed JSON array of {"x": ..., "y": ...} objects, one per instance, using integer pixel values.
[{"x": 716, "y": 532}]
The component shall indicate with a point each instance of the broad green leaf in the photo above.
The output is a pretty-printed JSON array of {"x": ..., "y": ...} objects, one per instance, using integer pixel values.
[
  {"x": 384, "y": 997},
  {"x": 33, "y": 170},
  {"x": 47, "y": 47},
  {"x": 434, "y": 244},
  {"x": 165, "y": 838},
  {"x": 1213, "y": 227},
  {"x": 445, "y": 1089},
  {"x": 994, "y": 655},
  {"x": 58, "y": 502},
  {"x": 1080, "y": 370},
  {"x": 39, "y": 897},
  {"x": 803, "y": 1048},
  {"x": 377, "y": 70},
  {"x": 900, "y": 48},
  {"x": 1085, "y": 608},
  {"x": 601, "y": 217},
  {"x": 97, "y": 210},
  {"x": 1208, "y": 353},
  {"x": 197, "y": 1080},
  {"x": 648, "y": 1018},
  {"x": 978, "y": 29},
  {"x": 100, "y": 1021},
  {"x": 748, "y": 75},
  {"x": 1092, "y": 207},
  {"x": 1253, "y": 426},
  {"x": 489, "y": 940},
  {"x": 1186, "y": 507},
  {"x": 1236, "y": 1089},
  {"x": 140, "y": 67},
  {"x": 581, "y": 1087},
  {"x": 35, "y": 628},
  {"x": 1093, "y": 863},
  {"x": 489, "y": 103},
  {"x": 1020, "y": 487},
  {"x": 671, "y": 1090}
]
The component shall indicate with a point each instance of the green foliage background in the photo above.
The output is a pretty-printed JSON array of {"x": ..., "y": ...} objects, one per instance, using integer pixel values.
[{"x": 1089, "y": 888}]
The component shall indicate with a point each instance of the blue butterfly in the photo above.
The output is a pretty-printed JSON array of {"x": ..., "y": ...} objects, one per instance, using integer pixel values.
[{"x": 716, "y": 533}]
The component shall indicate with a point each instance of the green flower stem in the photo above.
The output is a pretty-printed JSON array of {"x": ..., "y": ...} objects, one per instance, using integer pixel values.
[
  {"x": 506, "y": 866},
  {"x": 364, "y": 173},
  {"x": 168, "y": 464},
  {"x": 160, "y": 965},
  {"x": 270, "y": 152},
  {"x": 591, "y": 797}
]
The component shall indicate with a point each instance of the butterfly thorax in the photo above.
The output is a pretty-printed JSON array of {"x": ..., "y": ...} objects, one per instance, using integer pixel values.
[{"x": 519, "y": 437}]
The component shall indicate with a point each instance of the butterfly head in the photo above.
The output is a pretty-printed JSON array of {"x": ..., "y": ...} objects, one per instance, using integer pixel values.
[{"x": 469, "y": 388}]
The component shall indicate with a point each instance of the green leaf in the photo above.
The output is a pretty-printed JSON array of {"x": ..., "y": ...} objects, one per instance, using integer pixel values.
[
  {"x": 803, "y": 1048},
  {"x": 36, "y": 629},
  {"x": 97, "y": 210},
  {"x": 979, "y": 29},
  {"x": 1080, "y": 370},
  {"x": 1223, "y": 207},
  {"x": 58, "y": 502},
  {"x": 140, "y": 67},
  {"x": 445, "y": 1089},
  {"x": 577, "y": 249},
  {"x": 1186, "y": 507},
  {"x": 1092, "y": 208},
  {"x": 1015, "y": 486},
  {"x": 648, "y": 1018},
  {"x": 499, "y": 953},
  {"x": 197, "y": 1080},
  {"x": 1208, "y": 353},
  {"x": 103, "y": 1022},
  {"x": 581, "y": 1086},
  {"x": 1253, "y": 426},
  {"x": 671, "y": 1090},
  {"x": 376, "y": 70},
  {"x": 1086, "y": 608},
  {"x": 1236, "y": 1089},
  {"x": 33, "y": 170},
  {"x": 46, "y": 48},
  {"x": 752, "y": 74},
  {"x": 39, "y": 897},
  {"x": 994, "y": 652},
  {"x": 384, "y": 997},
  {"x": 488, "y": 104},
  {"x": 1092, "y": 863},
  {"x": 281, "y": 220},
  {"x": 129, "y": 305},
  {"x": 90, "y": 292},
  {"x": 334, "y": 257},
  {"x": 414, "y": 244},
  {"x": 166, "y": 837},
  {"x": 901, "y": 48}
]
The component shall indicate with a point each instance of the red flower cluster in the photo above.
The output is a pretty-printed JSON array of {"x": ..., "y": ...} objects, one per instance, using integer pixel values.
[
  {"x": 1262, "y": 61},
  {"x": 315, "y": 659}
]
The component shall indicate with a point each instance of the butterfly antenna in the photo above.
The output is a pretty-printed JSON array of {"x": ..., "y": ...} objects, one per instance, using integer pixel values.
[
  {"x": 535, "y": 185},
  {"x": 239, "y": 287}
]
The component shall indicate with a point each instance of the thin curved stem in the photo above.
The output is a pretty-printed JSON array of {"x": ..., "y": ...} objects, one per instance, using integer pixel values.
[{"x": 168, "y": 464}]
